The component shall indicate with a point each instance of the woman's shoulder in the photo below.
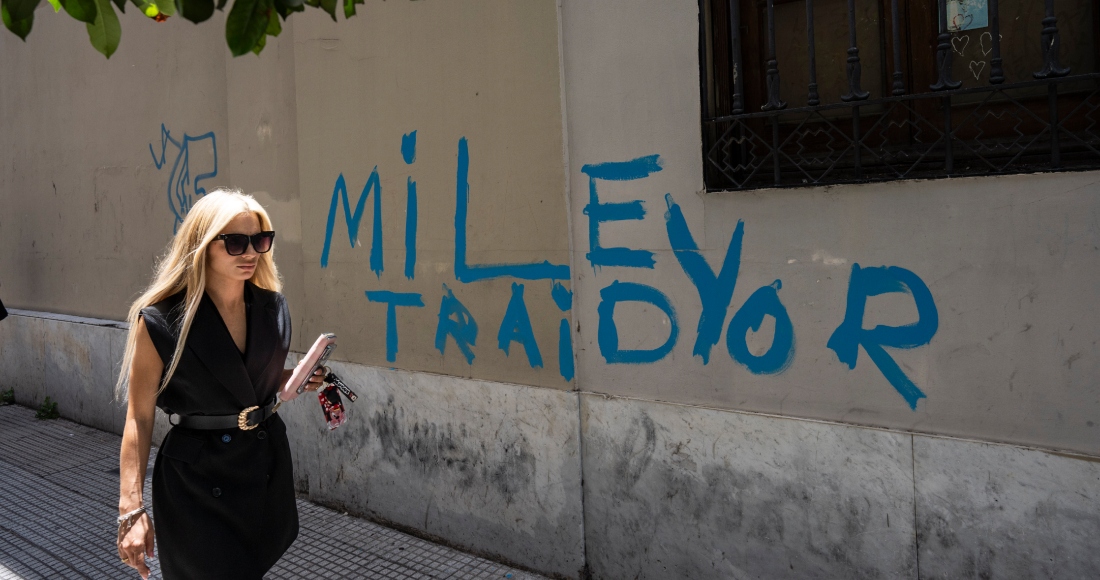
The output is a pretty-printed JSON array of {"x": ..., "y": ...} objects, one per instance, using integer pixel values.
[{"x": 166, "y": 310}]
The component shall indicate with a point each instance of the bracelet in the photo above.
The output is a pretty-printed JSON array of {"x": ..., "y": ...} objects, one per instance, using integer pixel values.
[
  {"x": 125, "y": 522},
  {"x": 127, "y": 516}
]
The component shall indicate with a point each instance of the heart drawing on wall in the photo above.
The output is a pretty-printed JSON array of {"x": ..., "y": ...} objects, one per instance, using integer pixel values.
[
  {"x": 962, "y": 21},
  {"x": 981, "y": 42},
  {"x": 959, "y": 44},
  {"x": 976, "y": 68}
]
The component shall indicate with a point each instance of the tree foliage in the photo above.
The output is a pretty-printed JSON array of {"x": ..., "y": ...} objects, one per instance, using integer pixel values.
[{"x": 247, "y": 27}]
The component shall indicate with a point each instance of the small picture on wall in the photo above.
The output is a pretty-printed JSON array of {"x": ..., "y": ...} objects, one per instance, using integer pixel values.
[{"x": 967, "y": 15}]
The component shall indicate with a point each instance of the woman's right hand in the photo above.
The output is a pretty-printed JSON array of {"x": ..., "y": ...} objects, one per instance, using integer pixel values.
[{"x": 138, "y": 544}]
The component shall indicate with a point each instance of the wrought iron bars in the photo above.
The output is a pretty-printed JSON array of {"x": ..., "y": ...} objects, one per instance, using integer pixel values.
[
  {"x": 943, "y": 54},
  {"x": 1051, "y": 42},
  {"x": 738, "y": 105},
  {"x": 899, "y": 85},
  {"x": 814, "y": 99},
  {"x": 996, "y": 65},
  {"x": 996, "y": 135},
  {"x": 774, "y": 102},
  {"x": 854, "y": 69}
]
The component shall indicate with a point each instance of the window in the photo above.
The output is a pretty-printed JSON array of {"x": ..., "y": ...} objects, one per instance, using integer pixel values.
[{"x": 892, "y": 89}]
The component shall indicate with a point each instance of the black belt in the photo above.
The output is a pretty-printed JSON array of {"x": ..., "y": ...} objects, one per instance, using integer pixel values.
[{"x": 246, "y": 420}]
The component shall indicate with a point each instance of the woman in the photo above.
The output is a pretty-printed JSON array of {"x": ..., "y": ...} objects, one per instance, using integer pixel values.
[{"x": 207, "y": 342}]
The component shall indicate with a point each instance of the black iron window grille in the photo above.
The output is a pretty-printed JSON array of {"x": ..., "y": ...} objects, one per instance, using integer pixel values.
[{"x": 888, "y": 105}]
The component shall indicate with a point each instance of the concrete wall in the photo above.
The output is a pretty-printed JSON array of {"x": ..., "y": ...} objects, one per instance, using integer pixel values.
[
  {"x": 675, "y": 491},
  {"x": 519, "y": 126}
]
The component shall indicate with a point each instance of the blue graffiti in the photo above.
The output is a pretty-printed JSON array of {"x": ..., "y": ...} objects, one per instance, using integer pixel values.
[
  {"x": 408, "y": 147},
  {"x": 715, "y": 292},
  {"x": 763, "y": 302},
  {"x": 182, "y": 188},
  {"x": 408, "y": 153},
  {"x": 607, "y": 335},
  {"x": 563, "y": 298},
  {"x": 340, "y": 193},
  {"x": 473, "y": 272},
  {"x": 462, "y": 327},
  {"x": 516, "y": 327},
  {"x": 598, "y": 212},
  {"x": 392, "y": 300},
  {"x": 846, "y": 339}
]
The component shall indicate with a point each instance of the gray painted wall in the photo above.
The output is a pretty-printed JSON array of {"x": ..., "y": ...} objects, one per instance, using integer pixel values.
[{"x": 1012, "y": 264}]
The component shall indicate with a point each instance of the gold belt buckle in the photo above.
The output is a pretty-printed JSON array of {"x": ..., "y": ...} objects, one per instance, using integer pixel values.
[{"x": 242, "y": 419}]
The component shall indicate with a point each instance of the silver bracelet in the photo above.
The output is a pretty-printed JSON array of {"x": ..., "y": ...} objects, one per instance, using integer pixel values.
[{"x": 127, "y": 517}]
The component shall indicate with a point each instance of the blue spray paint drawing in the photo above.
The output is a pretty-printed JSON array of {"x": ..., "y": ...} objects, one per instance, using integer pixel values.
[
  {"x": 392, "y": 300},
  {"x": 607, "y": 333},
  {"x": 599, "y": 212},
  {"x": 352, "y": 219},
  {"x": 467, "y": 273},
  {"x": 182, "y": 188},
  {"x": 850, "y": 335}
]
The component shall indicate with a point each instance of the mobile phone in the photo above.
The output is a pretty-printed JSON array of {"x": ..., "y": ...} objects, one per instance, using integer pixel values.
[
  {"x": 332, "y": 407},
  {"x": 316, "y": 358}
]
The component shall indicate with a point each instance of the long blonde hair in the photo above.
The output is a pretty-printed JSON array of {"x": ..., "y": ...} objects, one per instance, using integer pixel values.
[{"x": 183, "y": 267}]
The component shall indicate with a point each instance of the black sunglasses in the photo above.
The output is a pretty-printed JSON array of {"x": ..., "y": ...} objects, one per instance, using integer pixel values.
[{"x": 237, "y": 244}]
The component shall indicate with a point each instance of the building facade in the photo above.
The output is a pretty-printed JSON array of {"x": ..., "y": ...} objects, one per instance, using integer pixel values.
[{"x": 619, "y": 298}]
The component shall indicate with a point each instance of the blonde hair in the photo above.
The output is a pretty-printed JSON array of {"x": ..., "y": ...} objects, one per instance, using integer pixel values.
[{"x": 183, "y": 267}]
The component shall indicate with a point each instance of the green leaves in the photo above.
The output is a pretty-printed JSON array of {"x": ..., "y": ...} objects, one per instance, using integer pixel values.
[
  {"x": 20, "y": 9},
  {"x": 147, "y": 7},
  {"x": 330, "y": 7},
  {"x": 273, "y": 29},
  {"x": 349, "y": 7},
  {"x": 247, "y": 24},
  {"x": 165, "y": 7},
  {"x": 105, "y": 33},
  {"x": 21, "y": 27},
  {"x": 196, "y": 10},
  {"x": 18, "y": 16},
  {"x": 82, "y": 10}
]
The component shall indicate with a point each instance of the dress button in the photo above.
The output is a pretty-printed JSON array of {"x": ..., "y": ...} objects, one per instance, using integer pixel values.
[
  {"x": 261, "y": 435},
  {"x": 227, "y": 438},
  {"x": 216, "y": 492}
]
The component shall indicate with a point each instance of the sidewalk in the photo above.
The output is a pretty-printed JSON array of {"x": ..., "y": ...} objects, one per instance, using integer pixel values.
[{"x": 60, "y": 498}]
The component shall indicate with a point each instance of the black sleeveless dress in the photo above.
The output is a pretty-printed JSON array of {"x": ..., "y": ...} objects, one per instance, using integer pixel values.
[{"x": 223, "y": 500}]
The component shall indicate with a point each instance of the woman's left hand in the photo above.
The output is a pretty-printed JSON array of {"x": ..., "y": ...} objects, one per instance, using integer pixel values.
[
  {"x": 317, "y": 380},
  {"x": 288, "y": 392}
]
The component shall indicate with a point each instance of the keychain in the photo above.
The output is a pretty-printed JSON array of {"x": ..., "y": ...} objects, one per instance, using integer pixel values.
[{"x": 331, "y": 404}]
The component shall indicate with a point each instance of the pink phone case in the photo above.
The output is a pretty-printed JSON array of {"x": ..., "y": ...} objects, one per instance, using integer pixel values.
[{"x": 316, "y": 358}]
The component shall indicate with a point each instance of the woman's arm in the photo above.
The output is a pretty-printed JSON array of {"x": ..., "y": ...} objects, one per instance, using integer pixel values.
[{"x": 145, "y": 376}]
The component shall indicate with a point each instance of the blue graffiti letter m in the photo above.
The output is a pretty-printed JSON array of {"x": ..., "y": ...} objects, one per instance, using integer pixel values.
[{"x": 340, "y": 192}]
